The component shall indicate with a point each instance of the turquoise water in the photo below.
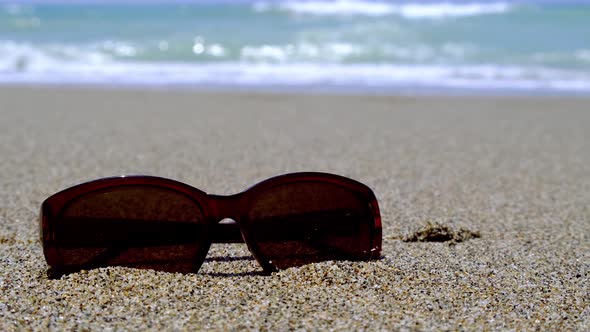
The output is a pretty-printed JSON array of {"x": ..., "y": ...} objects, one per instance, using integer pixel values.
[{"x": 353, "y": 44}]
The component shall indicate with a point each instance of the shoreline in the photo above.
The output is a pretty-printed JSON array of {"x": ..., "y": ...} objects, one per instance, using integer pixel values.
[{"x": 399, "y": 91}]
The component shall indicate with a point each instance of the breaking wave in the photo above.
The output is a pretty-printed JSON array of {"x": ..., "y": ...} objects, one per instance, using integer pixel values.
[{"x": 373, "y": 8}]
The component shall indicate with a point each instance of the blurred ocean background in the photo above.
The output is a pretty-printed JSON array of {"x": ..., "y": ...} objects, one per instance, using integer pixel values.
[{"x": 482, "y": 46}]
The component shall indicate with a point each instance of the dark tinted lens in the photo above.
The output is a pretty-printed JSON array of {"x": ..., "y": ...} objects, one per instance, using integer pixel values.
[
  {"x": 300, "y": 223},
  {"x": 139, "y": 226}
]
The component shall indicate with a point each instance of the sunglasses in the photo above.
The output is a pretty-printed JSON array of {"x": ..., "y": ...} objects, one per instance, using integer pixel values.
[{"x": 161, "y": 224}]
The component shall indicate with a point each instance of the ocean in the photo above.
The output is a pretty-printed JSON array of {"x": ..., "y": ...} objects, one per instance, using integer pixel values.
[{"x": 390, "y": 46}]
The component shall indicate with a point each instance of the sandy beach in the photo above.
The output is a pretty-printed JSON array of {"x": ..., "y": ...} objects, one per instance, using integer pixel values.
[{"x": 514, "y": 170}]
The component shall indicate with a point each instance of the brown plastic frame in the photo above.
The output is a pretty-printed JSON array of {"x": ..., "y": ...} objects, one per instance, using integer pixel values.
[{"x": 214, "y": 208}]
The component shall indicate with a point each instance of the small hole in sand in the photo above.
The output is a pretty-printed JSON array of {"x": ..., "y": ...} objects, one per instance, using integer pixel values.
[{"x": 434, "y": 232}]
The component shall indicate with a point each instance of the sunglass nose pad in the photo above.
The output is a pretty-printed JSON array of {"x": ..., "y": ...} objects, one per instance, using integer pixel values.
[
  {"x": 227, "y": 221},
  {"x": 227, "y": 231}
]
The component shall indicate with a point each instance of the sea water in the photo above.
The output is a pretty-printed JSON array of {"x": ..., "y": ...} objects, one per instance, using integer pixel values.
[{"x": 512, "y": 46}]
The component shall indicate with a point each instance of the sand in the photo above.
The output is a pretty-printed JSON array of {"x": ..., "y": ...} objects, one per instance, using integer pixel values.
[{"x": 515, "y": 171}]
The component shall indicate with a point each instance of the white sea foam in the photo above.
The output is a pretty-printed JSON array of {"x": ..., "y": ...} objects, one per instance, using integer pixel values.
[
  {"x": 26, "y": 63},
  {"x": 302, "y": 51},
  {"x": 328, "y": 76},
  {"x": 438, "y": 10},
  {"x": 28, "y": 58},
  {"x": 373, "y": 8},
  {"x": 339, "y": 7}
]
